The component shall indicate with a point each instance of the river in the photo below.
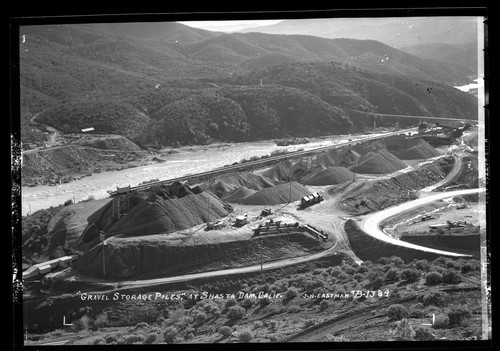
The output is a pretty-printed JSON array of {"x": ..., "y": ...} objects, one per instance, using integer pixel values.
[{"x": 183, "y": 163}]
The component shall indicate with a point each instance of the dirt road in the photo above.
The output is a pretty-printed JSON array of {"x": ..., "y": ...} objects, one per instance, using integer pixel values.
[{"x": 371, "y": 223}]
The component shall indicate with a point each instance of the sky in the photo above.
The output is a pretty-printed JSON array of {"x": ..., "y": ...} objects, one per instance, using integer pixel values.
[{"x": 228, "y": 26}]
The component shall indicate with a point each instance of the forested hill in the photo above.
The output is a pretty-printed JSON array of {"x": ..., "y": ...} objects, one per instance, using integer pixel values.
[{"x": 170, "y": 83}]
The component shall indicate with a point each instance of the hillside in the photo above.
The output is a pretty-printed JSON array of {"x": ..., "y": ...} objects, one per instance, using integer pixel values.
[{"x": 167, "y": 83}]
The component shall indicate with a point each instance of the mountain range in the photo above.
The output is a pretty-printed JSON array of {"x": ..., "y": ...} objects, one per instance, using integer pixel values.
[{"x": 169, "y": 83}]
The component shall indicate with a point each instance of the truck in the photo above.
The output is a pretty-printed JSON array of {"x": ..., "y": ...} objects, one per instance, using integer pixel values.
[{"x": 309, "y": 200}]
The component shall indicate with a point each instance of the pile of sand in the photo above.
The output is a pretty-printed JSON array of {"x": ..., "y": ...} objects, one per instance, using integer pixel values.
[
  {"x": 378, "y": 162},
  {"x": 343, "y": 157},
  {"x": 277, "y": 173},
  {"x": 237, "y": 196},
  {"x": 329, "y": 176},
  {"x": 411, "y": 149},
  {"x": 163, "y": 209},
  {"x": 233, "y": 181},
  {"x": 279, "y": 194},
  {"x": 324, "y": 159}
]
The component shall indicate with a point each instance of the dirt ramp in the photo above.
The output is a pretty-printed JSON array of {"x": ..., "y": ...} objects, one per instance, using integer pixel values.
[
  {"x": 377, "y": 162},
  {"x": 279, "y": 194},
  {"x": 329, "y": 176}
]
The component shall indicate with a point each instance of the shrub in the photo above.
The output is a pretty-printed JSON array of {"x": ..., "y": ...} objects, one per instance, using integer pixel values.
[
  {"x": 397, "y": 261},
  {"x": 410, "y": 275},
  {"x": 458, "y": 315},
  {"x": 422, "y": 265},
  {"x": 435, "y": 298},
  {"x": 245, "y": 336},
  {"x": 309, "y": 323},
  {"x": 200, "y": 318},
  {"x": 225, "y": 331},
  {"x": 378, "y": 283},
  {"x": 392, "y": 275},
  {"x": 397, "y": 312},
  {"x": 247, "y": 303},
  {"x": 230, "y": 302},
  {"x": 291, "y": 293},
  {"x": 359, "y": 277},
  {"x": 130, "y": 339},
  {"x": 265, "y": 301},
  {"x": 349, "y": 270},
  {"x": 441, "y": 322},
  {"x": 99, "y": 341},
  {"x": 169, "y": 334},
  {"x": 404, "y": 330},
  {"x": 150, "y": 338},
  {"x": 423, "y": 334},
  {"x": 111, "y": 339},
  {"x": 362, "y": 270},
  {"x": 433, "y": 278},
  {"x": 451, "y": 277},
  {"x": 466, "y": 268},
  {"x": 294, "y": 309},
  {"x": 257, "y": 324},
  {"x": 68, "y": 202},
  {"x": 235, "y": 312},
  {"x": 323, "y": 305}
]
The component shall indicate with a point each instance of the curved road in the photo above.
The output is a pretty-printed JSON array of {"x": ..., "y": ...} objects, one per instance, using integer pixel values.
[{"x": 371, "y": 224}]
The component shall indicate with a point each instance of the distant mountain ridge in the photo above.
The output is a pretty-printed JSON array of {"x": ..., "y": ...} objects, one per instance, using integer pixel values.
[{"x": 394, "y": 31}]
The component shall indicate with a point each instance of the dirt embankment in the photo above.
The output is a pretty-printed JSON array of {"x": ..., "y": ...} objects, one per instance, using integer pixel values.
[
  {"x": 368, "y": 196},
  {"x": 466, "y": 244},
  {"x": 62, "y": 164},
  {"x": 367, "y": 247},
  {"x": 410, "y": 149},
  {"x": 125, "y": 259}
]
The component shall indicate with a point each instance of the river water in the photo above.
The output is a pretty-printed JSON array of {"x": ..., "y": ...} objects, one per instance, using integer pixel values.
[{"x": 177, "y": 165}]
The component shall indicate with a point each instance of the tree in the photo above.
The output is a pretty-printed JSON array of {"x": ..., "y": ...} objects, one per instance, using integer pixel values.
[
  {"x": 457, "y": 315},
  {"x": 397, "y": 312},
  {"x": 410, "y": 275},
  {"x": 433, "y": 278},
  {"x": 451, "y": 276},
  {"x": 235, "y": 312},
  {"x": 169, "y": 334},
  {"x": 225, "y": 331},
  {"x": 245, "y": 336}
]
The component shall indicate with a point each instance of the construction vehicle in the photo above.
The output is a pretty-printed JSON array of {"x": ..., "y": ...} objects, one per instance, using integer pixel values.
[
  {"x": 266, "y": 212},
  {"x": 309, "y": 200}
]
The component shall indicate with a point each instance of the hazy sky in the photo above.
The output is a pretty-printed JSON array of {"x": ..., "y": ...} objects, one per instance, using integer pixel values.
[{"x": 228, "y": 26}]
